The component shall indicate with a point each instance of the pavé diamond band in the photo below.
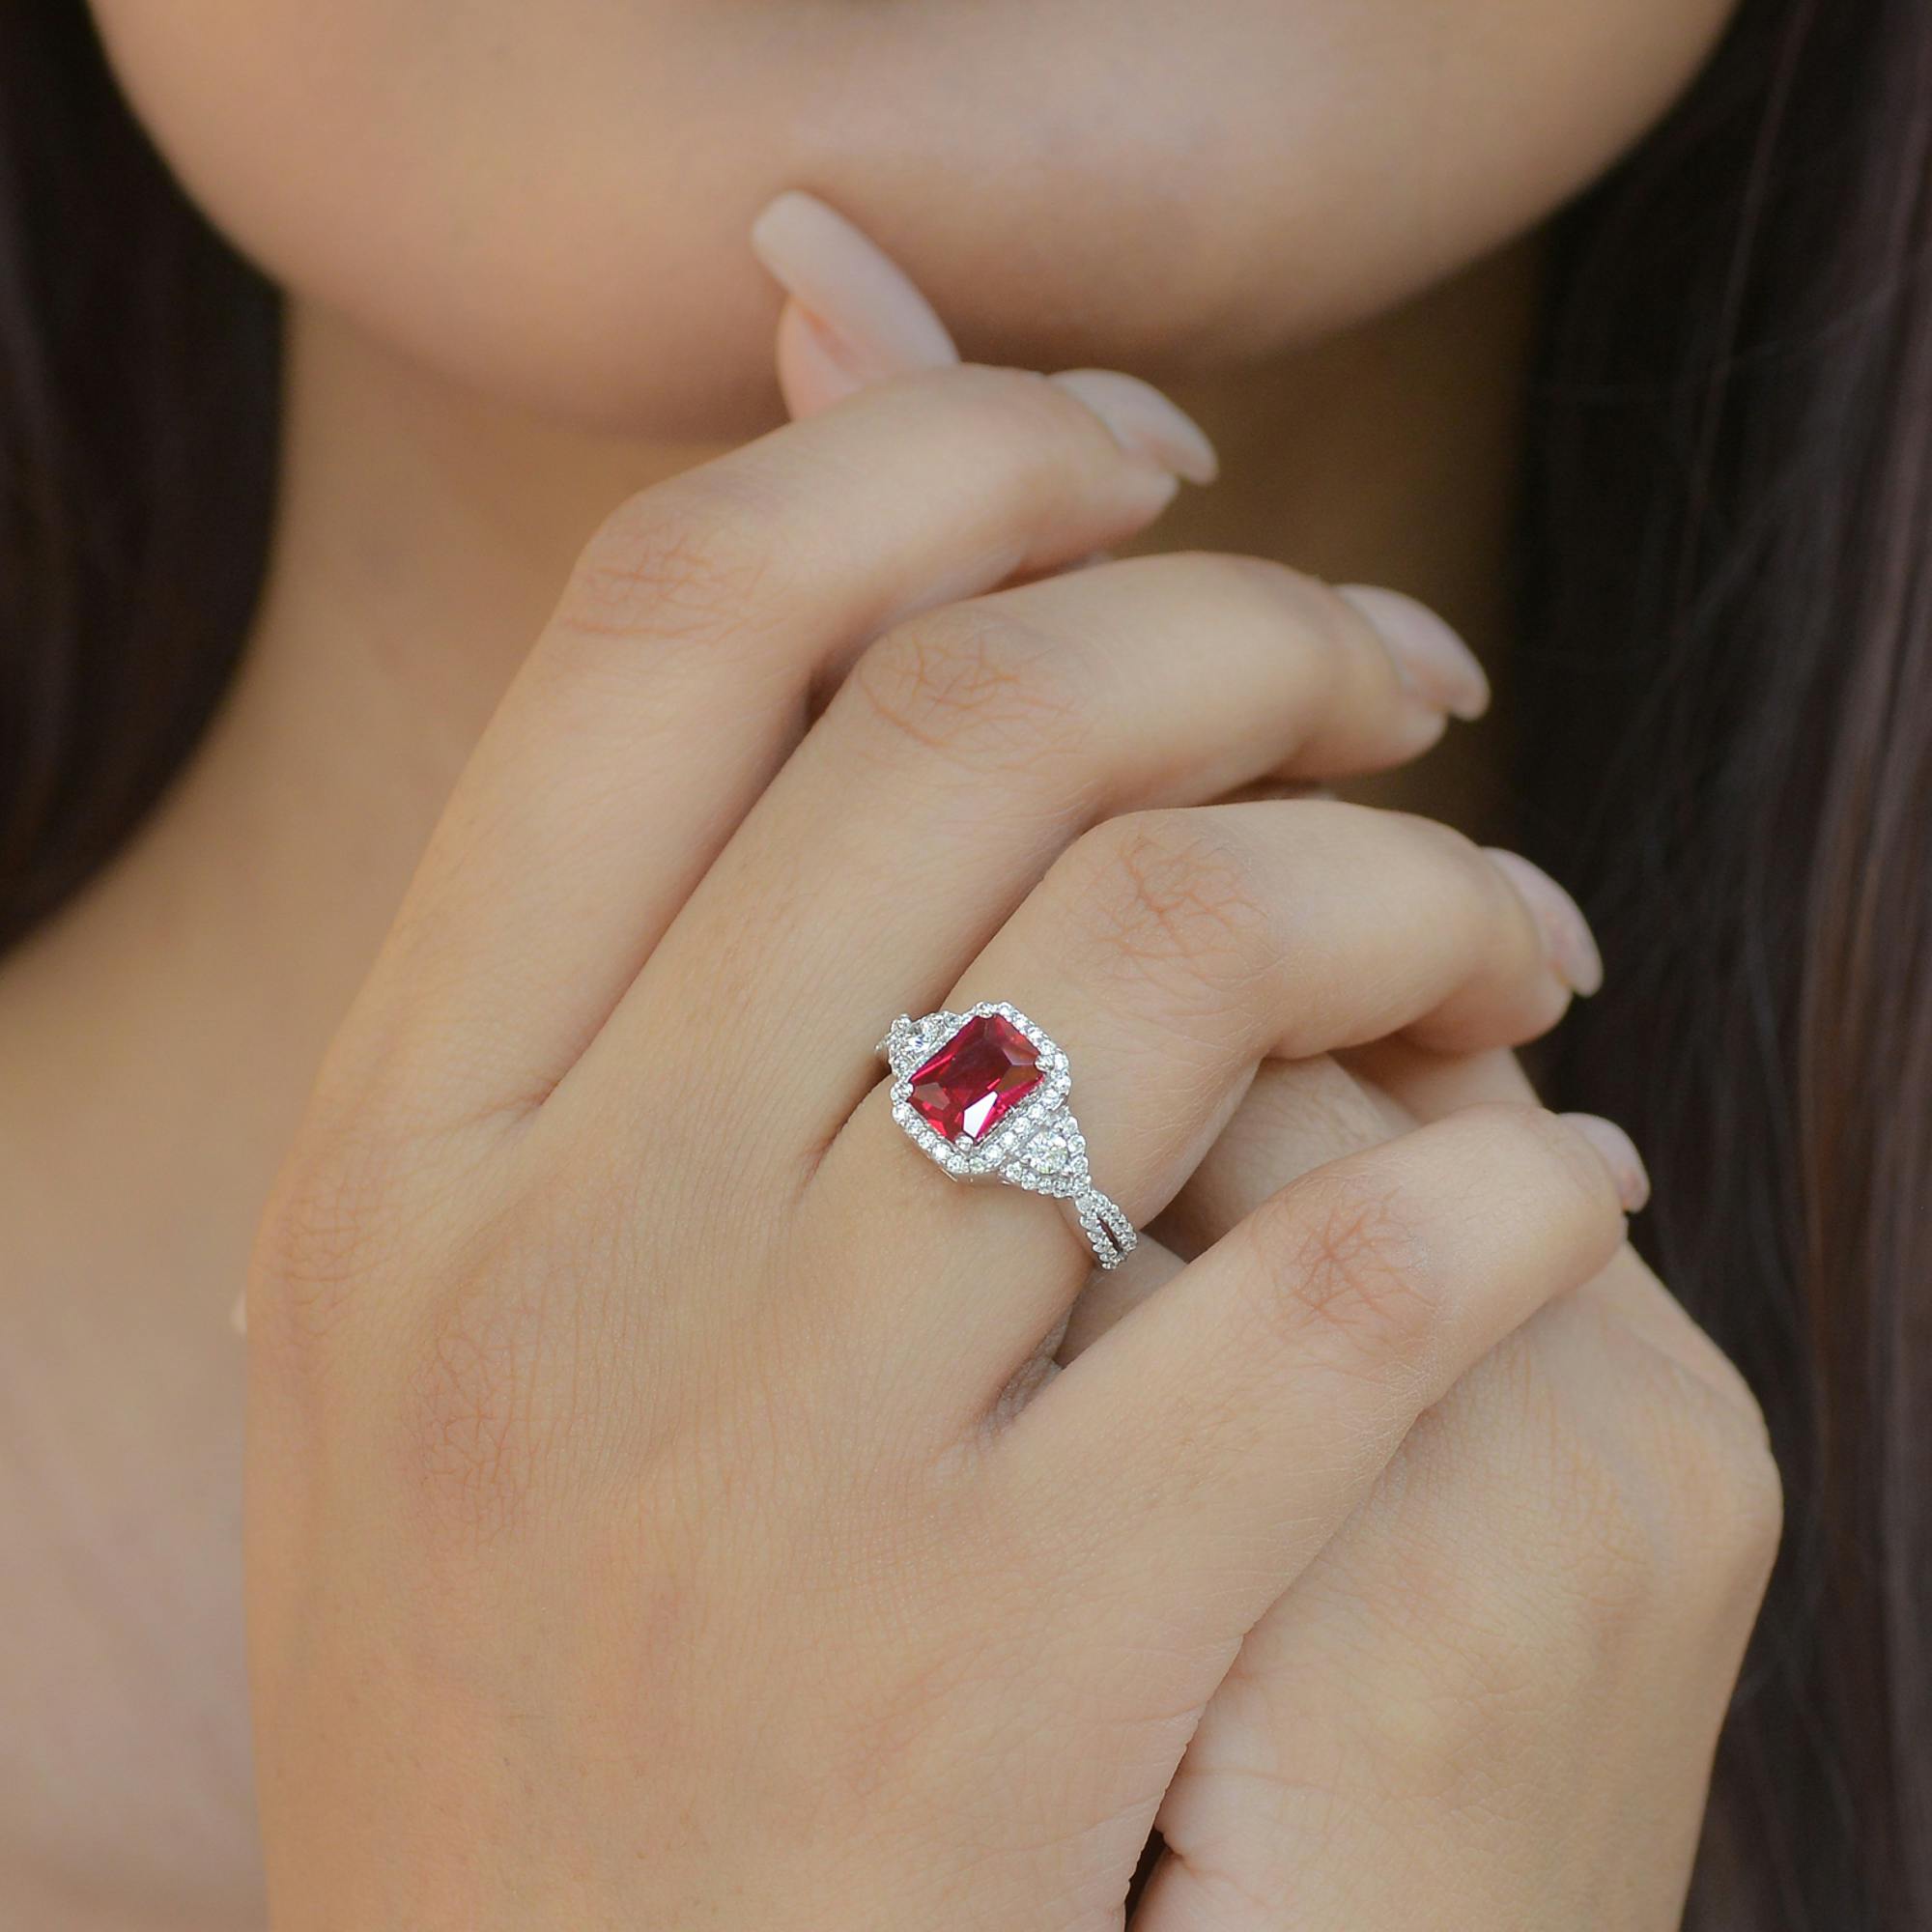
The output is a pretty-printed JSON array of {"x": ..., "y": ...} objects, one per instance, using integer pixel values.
[{"x": 983, "y": 1093}]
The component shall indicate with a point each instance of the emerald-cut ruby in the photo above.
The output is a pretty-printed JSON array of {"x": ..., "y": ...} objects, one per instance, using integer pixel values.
[{"x": 976, "y": 1079}]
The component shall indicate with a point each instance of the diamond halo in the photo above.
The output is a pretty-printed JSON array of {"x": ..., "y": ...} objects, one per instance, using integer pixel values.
[{"x": 983, "y": 1094}]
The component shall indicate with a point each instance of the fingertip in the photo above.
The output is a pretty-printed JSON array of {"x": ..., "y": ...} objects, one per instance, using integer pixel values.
[
  {"x": 1572, "y": 946},
  {"x": 1618, "y": 1153},
  {"x": 1428, "y": 652},
  {"x": 1145, "y": 422}
]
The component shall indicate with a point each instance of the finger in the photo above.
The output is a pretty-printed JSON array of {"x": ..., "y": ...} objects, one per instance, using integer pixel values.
[
  {"x": 1297, "y": 1115},
  {"x": 1168, "y": 954},
  {"x": 676, "y": 674},
  {"x": 1584, "y": 1424},
  {"x": 1208, "y": 1445},
  {"x": 963, "y": 753},
  {"x": 1578, "y": 1533},
  {"x": 1429, "y": 1086},
  {"x": 1111, "y": 1295}
]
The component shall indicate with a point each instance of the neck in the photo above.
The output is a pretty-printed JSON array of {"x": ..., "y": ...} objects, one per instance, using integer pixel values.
[{"x": 167, "y": 1026}]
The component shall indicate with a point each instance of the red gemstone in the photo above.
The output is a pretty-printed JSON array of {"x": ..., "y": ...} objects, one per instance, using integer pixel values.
[{"x": 976, "y": 1079}]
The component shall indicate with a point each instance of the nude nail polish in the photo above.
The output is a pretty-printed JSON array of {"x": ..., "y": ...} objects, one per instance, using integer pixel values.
[
  {"x": 1571, "y": 945},
  {"x": 1144, "y": 423},
  {"x": 1439, "y": 666},
  {"x": 870, "y": 317},
  {"x": 1619, "y": 1154}
]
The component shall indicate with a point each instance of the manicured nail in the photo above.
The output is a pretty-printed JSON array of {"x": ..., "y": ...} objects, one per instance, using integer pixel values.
[
  {"x": 860, "y": 298},
  {"x": 1620, "y": 1156},
  {"x": 1144, "y": 423},
  {"x": 1439, "y": 666},
  {"x": 1572, "y": 945}
]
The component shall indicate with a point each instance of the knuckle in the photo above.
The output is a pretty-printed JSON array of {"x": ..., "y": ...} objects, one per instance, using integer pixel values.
[
  {"x": 1472, "y": 885},
  {"x": 1671, "y": 1504},
  {"x": 1727, "y": 1493},
  {"x": 1029, "y": 407},
  {"x": 1171, "y": 898},
  {"x": 1445, "y": 841},
  {"x": 1523, "y": 1138},
  {"x": 1344, "y": 1272},
  {"x": 978, "y": 687},
  {"x": 701, "y": 555},
  {"x": 1313, "y": 609},
  {"x": 1757, "y": 1515},
  {"x": 1281, "y": 601},
  {"x": 1600, "y": 1549},
  {"x": 1560, "y": 1570}
]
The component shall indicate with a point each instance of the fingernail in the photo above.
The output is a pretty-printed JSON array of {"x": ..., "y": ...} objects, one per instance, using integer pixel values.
[
  {"x": 1572, "y": 945},
  {"x": 237, "y": 1316},
  {"x": 1620, "y": 1155},
  {"x": 878, "y": 321},
  {"x": 1144, "y": 423},
  {"x": 1440, "y": 667}
]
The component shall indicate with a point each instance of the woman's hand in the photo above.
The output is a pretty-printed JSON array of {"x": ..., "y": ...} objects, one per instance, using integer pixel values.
[
  {"x": 1493, "y": 1699},
  {"x": 662, "y": 1510}
]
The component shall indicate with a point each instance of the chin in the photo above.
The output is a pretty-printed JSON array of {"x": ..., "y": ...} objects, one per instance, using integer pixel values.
[{"x": 550, "y": 205}]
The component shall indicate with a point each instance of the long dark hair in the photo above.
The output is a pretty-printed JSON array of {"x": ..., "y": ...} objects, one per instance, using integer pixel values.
[
  {"x": 137, "y": 429},
  {"x": 1727, "y": 616},
  {"x": 1729, "y": 625}
]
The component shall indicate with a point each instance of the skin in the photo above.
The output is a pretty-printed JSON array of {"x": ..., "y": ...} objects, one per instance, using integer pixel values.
[
  {"x": 1285, "y": 168},
  {"x": 544, "y": 1425},
  {"x": 498, "y": 337}
]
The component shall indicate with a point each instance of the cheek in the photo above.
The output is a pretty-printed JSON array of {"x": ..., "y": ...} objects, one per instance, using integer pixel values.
[
  {"x": 1392, "y": 143},
  {"x": 458, "y": 178},
  {"x": 551, "y": 204}
]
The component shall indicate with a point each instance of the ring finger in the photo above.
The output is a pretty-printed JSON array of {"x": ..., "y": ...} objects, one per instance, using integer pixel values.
[
  {"x": 969, "y": 747},
  {"x": 1170, "y": 953}
]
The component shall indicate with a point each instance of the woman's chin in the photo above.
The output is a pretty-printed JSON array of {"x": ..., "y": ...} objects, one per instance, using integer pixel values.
[
  {"x": 680, "y": 347},
  {"x": 551, "y": 205}
]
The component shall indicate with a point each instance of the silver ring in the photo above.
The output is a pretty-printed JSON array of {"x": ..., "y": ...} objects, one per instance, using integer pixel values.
[{"x": 983, "y": 1093}]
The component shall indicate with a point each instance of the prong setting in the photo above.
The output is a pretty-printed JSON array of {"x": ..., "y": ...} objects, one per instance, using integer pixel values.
[{"x": 1037, "y": 1145}]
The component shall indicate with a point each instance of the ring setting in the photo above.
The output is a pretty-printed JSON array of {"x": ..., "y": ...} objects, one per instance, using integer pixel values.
[{"x": 984, "y": 1094}]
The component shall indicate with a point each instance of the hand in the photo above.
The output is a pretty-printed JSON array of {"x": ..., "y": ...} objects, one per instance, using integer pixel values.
[
  {"x": 1572, "y": 1545},
  {"x": 660, "y": 1510},
  {"x": 1491, "y": 1701}
]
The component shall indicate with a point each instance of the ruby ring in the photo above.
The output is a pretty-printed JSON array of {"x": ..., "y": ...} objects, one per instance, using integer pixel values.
[{"x": 984, "y": 1092}]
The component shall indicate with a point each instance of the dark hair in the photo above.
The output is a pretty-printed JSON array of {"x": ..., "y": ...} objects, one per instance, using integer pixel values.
[
  {"x": 1728, "y": 680},
  {"x": 1729, "y": 688},
  {"x": 137, "y": 429}
]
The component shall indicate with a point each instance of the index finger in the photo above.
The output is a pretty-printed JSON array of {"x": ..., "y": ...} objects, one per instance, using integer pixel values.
[{"x": 676, "y": 674}]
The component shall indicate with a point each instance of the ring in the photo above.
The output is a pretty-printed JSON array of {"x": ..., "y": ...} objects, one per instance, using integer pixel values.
[{"x": 983, "y": 1093}]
